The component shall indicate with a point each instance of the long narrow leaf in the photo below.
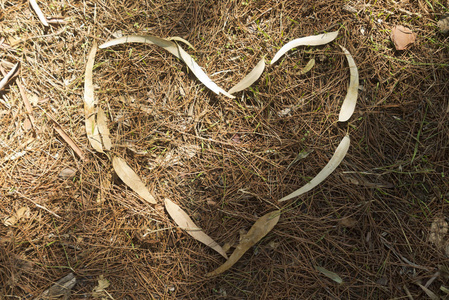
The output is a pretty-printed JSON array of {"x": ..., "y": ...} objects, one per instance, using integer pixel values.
[
  {"x": 89, "y": 103},
  {"x": 180, "y": 39},
  {"x": 313, "y": 40},
  {"x": 174, "y": 49},
  {"x": 38, "y": 11},
  {"x": 199, "y": 73},
  {"x": 8, "y": 76},
  {"x": 250, "y": 78},
  {"x": 146, "y": 39},
  {"x": 348, "y": 106},
  {"x": 260, "y": 229},
  {"x": 336, "y": 159},
  {"x": 330, "y": 274},
  {"x": 185, "y": 222},
  {"x": 131, "y": 179}
]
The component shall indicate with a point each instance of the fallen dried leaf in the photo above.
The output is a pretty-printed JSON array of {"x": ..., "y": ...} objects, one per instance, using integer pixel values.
[
  {"x": 100, "y": 290},
  {"x": 260, "y": 229},
  {"x": 67, "y": 173},
  {"x": 185, "y": 222},
  {"x": 333, "y": 163},
  {"x": 131, "y": 179},
  {"x": 8, "y": 76},
  {"x": 428, "y": 292},
  {"x": 249, "y": 79},
  {"x": 329, "y": 274},
  {"x": 20, "y": 213},
  {"x": 402, "y": 37},
  {"x": 38, "y": 11},
  {"x": 313, "y": 40},
  {"x": 348, "y": 106},
  {"x": 174, "y": 49},
  {"x": 92, "y": 131}
]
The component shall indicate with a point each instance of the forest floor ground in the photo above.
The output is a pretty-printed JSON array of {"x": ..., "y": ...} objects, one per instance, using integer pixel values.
[{"x": 378, "y": 221}]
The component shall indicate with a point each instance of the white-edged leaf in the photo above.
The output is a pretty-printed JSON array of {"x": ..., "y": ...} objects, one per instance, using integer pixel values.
[
  {"x": 38, "y": 11},
  {"x": 8, "y": 76},
  {"x": 145, "y": 39},
  {"x": 89, "y": 102},
  {"x": 249, "y": 79},
  {"x": 199, "y": 73},
  {"x": 174, "y": 49},
  {"x": 330, "y": 274},
  {"x": 102, "y": 122},
  {"x": 313, "y": 40},
  {"x": 185, "y": 222},
  {"x": 333, "y": 163},
  {"x": 260, "y": 229},
  {"x": 348, "y": 106},
  {"x": 131, "y": 179}
]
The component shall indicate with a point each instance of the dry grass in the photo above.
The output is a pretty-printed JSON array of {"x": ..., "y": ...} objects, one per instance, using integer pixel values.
[{"x": 374, "y": 211}]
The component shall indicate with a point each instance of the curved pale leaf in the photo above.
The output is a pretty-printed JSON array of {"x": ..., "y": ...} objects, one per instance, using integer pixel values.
[
  {"x": 260, "y": 229},
  {"x": 174, "y": 49},
  {"x": 333, "y": 163},
  {"x": 131, "y": 179},
  {"x": 180, "y": 39},
  {"x": 146, "y": 39},
  {"x": 348, "y": 106},
  {"x": 308, "y": 67},
  {"x": 199, "y": 73},
  {"x": 185, "y": 222},
  {"x": 38, "y": 11},
  {"x": 89, "y": 102},
  {"x": 329, "y": 274},
  {"x": 8, "y": 76},
  {"x": 250, "y": 78},
  {"x": 313, "y": 40}
]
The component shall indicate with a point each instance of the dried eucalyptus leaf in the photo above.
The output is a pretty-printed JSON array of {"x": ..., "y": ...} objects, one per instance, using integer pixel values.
[
  {"x": 180, "y": 39},
  {"x": 428, "y": 292},
  {"x": 348, "y": 106},
  {"x": 333, "y": 163},
  {"x": 185, "y": 222},
  {"x": 249, "y": 79},
  {"x": 131, "y": 179},
  {"x": 39, "y": 13},
  {"x": 199, "y": 73},
  {"x": 89, "y": 102},
  {"x": 8, "y": 76},
  {"x": 313, "y": 40},
  {"x": 146, "y": 39},
  {"x": 174, "y": 49},
  {"x": 260, "y": 229},
  {"x": 330, "y": 274},
  {"x": 308, "y": 67}
]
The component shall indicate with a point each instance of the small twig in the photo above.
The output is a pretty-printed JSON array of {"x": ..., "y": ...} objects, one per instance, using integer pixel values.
[
  {"x": 389, "y": 246},
  {"x": 38, "y": 205}
]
